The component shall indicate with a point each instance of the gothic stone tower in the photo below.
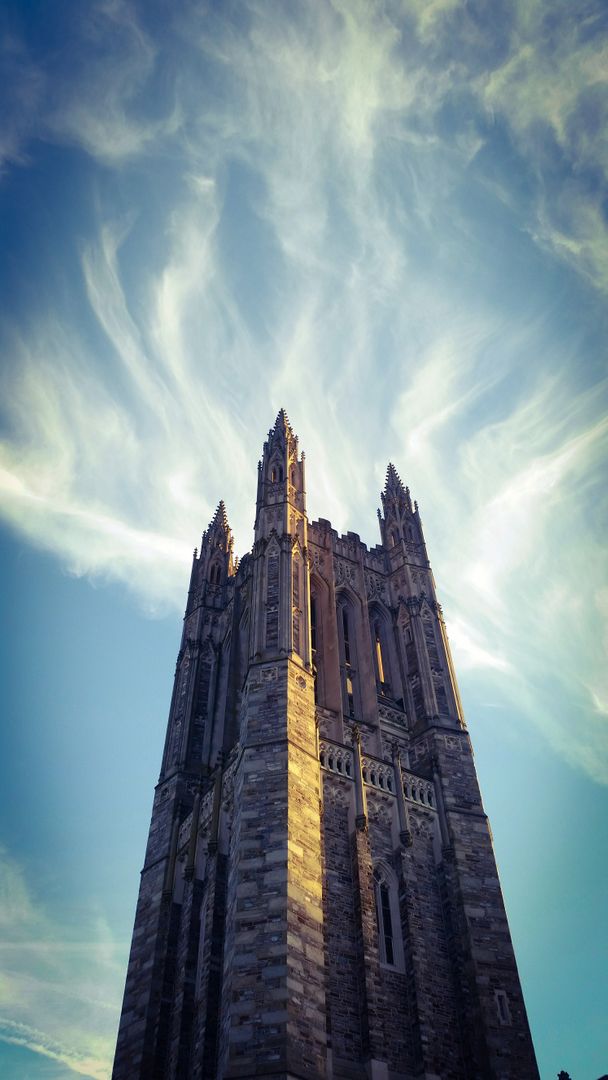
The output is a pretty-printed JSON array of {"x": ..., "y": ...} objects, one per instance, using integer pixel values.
[{"x": 319, "y": 897}]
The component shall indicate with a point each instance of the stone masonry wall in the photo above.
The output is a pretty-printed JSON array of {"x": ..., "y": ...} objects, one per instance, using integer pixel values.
[
  {"x": 496, "y": 1041},
  {"x": 273, "y": 1014}
]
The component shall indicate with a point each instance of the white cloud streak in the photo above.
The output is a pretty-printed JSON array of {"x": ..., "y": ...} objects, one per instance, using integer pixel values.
[
  {"x": 313, "y": 249},
  {"x": 309, "y": 256},
  {"x": 70, "y": 986}
]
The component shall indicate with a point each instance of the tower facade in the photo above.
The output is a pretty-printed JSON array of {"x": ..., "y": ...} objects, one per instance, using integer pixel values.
[{"x": 319, "y": 897}]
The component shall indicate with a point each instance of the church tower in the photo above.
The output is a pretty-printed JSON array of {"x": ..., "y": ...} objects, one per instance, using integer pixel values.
[{"x": 319, "y": 897}]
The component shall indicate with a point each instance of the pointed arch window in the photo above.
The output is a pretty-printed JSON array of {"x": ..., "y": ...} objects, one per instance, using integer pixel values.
[
  {"x": 378, "y": 651},
  {"x": 314, "y": 637},
  {"x": 276, "y": 474},
  {"x": 381, "y": 655},
  {"x": 350, "y": 689},
  {"x": 200, "y": 958},
  {"x": 390, "y": 943},
  {"x": 346, "y": 635}
]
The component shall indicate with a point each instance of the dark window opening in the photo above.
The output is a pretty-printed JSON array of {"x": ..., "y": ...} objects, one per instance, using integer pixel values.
[
  {"x": 387, "y": 925},
  {"x": 313, "y": 624},
  {"x": 348, "y": 655},
  {"x": 384, "y": 920},
  {"x": 346, "y": 636},
  {"x": 350, "y": 696},
  {"x": 313, "y": 644},
  {"x": 381, "y": 670}
]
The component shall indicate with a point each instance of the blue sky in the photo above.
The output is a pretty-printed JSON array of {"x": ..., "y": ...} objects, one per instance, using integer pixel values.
[{"x": 392, "y": 220}]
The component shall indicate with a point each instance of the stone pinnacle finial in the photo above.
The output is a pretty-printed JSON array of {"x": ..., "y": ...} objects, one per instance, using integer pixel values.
[
  {"x": 282, "y": 433},
  {"x": 282, "y": 423},
  {"x": 218, "y": 528},
  {"x": 220, "y": 517},
  {"x": 393, "y": 481}
]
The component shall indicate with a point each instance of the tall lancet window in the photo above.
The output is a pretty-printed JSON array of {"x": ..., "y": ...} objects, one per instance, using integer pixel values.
[
  {"x": 314, "y": 636},
  {"x": 381, "y": 660},
  {"x": 296, "y": 603},
  {"x": 390, "y": 945},
  {"x": 378, "y": 646},
  {"x": 348, "y": 648},
  {"x": 350, "y": 690}
]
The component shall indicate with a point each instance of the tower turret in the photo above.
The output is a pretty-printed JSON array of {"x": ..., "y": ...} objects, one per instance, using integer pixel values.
[
  {"x": 397, "y": 515},
  {"x": 215, "y": 564},
  {"x": 281, "y": 486},
  {"x": 216, "y": 559},
  {"x": 281, "y": 578}
]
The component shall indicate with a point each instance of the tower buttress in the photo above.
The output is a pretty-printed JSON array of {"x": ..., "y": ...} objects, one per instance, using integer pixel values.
[
  {"x": 276, "y": 855},
  {"x": 281, "y": 586}
]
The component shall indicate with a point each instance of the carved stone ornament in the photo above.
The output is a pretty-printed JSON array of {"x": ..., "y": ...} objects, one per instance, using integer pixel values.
[
  {"x": 335, "y": 792},
  {"x": 422, "y": 826},
  {"x": 396, "y": 717},
  {"x": 451, "y": 742},
  {"x": 318, "y": 562},
  {"x": 375, "y": 587},
  {"x": 345, "y": 573},
  {"x": 380, "y": 811}
]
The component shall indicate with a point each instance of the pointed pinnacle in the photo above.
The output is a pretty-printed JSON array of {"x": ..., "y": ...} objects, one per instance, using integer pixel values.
[
  {"x": 282, "y": 421},
  {"x": 393, "y": 480},
  {"x": 220, "y": 517}
]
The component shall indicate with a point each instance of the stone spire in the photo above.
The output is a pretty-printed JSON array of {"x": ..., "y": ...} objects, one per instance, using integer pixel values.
[
  {"x": 280, "y": 476},
  {"x": 216, "y": 558},
  {"x": 397, "y": 510},
  {"x": 282, "y": 428}
]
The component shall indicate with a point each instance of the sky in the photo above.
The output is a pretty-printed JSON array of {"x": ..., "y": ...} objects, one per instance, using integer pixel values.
[{"x": 390, "y": 219}]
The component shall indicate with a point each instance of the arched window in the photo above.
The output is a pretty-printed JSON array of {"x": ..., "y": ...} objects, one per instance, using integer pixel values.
[
  {"x": 378, "y": 652},
  {"x": 318, "y": 609},
  {"x": 390, "y": 943},
  {"x": 348, "y": 657},
  {"x": 350, "y": 690},
  {"x": 215, "y": 574},
  {"x": 276, "y": 474},
  {"x": 380, "y": 633},
  {"x": 200, "y": 965},
  {"x": 314, "y": 637}
]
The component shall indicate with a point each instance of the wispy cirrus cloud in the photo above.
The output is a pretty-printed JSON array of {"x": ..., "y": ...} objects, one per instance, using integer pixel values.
[
  {"x": 70, "y": 985},
  {"x": 553, "y": 92},
  {"x": 518, "y": 555},
  {"x": 326, "y": 238}
]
